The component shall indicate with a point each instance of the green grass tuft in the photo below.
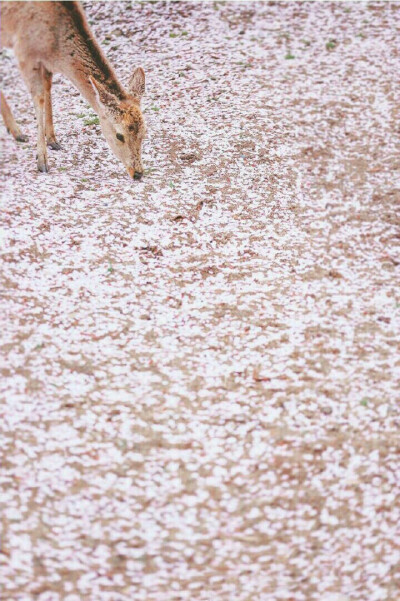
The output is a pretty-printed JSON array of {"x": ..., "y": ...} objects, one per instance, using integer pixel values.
[
  {"x": 331, "y": 45},
  {"x": 92, "y": 121}
]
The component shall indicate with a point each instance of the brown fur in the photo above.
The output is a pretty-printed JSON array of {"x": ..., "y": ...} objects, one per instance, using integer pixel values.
[
  {"x": 131, "y": 116},
  {"x": 54, "y": 37}
]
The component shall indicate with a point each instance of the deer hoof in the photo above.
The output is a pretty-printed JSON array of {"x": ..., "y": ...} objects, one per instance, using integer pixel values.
[
  {"x": 43, "y": 167},
  {"x": 21, "y": 138},
  {"x": 54, "y": 145}
]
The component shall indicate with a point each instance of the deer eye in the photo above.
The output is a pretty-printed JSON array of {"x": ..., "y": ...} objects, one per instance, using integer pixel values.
[{"x": 120, "y": 137}]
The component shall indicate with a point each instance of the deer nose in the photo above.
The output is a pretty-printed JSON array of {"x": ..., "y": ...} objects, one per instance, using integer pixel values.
[{"x": 134, "y": 174}]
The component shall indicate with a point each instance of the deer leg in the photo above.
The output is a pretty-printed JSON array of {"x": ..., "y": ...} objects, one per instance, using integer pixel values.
[
  {"x": 38, "y": 101},
  {"x": 9, "y": 121},
  {"x": 48, "y": 110},
  {"x": 33, "y": 76}
]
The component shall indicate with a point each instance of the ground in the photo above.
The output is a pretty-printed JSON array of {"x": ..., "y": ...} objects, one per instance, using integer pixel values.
[{"x": 201, "y": 371}]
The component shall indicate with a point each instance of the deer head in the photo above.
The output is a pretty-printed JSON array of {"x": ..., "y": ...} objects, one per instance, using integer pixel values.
[{"x": 122, "y": 121}]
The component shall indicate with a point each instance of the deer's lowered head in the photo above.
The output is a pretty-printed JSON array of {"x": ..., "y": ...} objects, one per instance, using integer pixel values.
[{"x": 122, "y": 121}]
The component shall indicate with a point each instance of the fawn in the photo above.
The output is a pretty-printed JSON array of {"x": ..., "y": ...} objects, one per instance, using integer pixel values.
[{"x": 55, "y": 37}]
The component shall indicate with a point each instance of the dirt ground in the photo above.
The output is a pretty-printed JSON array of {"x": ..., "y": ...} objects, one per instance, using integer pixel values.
[{"x": 200, "y": 372}]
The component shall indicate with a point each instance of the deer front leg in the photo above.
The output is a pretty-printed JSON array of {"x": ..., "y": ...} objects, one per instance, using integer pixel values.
[
  {"x": 34, "y": 78},
  {"x": 42, "y": 165},
  {"x": 10, "y": 122},
  {"x": 48, "y": 109}
]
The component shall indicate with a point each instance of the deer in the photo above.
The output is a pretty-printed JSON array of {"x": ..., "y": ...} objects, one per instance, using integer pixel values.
[{"x": 55, "y": 37}]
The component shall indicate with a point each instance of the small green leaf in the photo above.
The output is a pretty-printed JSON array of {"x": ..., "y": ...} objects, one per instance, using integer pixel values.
[
  {"x": 364, "y": 402},
  {"x": 289, "y": 56},
  {"x": 173, "y": 35}
]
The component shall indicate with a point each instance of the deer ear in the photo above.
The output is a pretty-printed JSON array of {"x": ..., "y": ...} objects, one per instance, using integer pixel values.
[
  {"x": 104, "y": 97},
  {"x": 137, "y": 83}
]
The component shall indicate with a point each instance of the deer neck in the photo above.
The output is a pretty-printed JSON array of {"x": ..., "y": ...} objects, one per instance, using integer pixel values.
[{"x": 84, "y": 58}]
